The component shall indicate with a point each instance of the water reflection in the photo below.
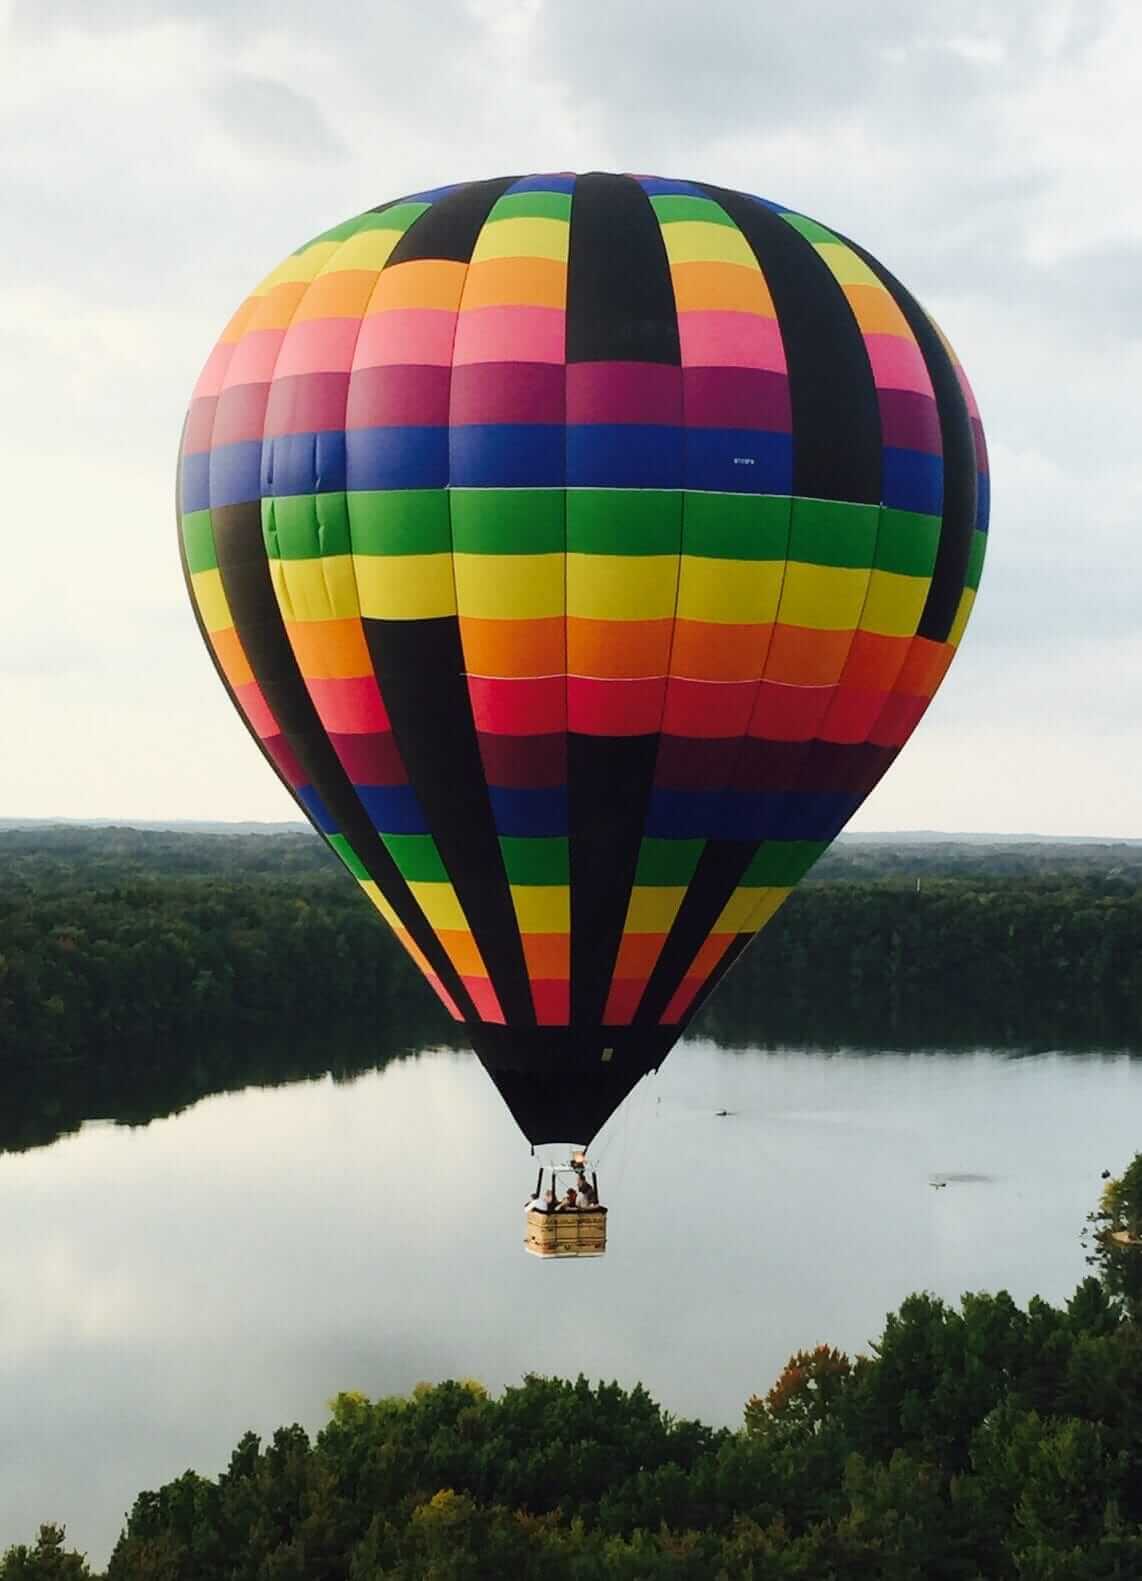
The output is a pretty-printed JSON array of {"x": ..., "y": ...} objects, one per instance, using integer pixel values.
[{"x": 163, "y": 1288}]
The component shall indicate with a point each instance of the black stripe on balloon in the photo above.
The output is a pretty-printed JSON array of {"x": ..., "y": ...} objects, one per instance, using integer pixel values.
[
  {"x": 419, "y": 665},
  {"x": 836, "y": 418},
  {"x": 720, "y": 870},
  {"x": 449, "y": 228},
  {"x": 620, "y": 300},
  {"x": 961, "y": 465},
  {"x": 245, "y": 573},
  {"x": 620, "y": 308},
  {"x": 737, "y": 947},
  {"x": 554, "y": 1081}
]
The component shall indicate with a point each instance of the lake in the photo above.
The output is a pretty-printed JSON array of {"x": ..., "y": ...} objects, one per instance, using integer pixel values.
[{"x": 164, "y": 1288}]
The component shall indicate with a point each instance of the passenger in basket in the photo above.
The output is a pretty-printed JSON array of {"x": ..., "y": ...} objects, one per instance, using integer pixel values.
[
  {"x": 544, "y": 1204},
  {"x": 586, "y": 1196},
  {"x": 570, "y": 1203}
]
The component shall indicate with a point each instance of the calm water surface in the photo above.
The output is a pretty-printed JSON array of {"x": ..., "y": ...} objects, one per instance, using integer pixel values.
[{"x": 163, "y": 1289}]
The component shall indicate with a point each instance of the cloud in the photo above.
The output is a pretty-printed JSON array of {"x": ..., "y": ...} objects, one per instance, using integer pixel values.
[{"x": 271, "y": 118}]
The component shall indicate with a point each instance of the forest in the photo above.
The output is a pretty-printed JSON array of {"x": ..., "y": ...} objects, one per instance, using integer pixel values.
[
  {"x": 142, "y": 969},
  {"x": 984, "y": 1442}
]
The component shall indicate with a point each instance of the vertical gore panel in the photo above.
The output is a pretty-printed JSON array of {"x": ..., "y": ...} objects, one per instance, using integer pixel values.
[
  {"x": 450, "y": 227},
  {"x": 420, "y": 667},
  {"x": 620, "y": 308},
  {"x": 836, "y": 419},
  {"x": 837, "y": 455},
  {"x": 620, "y": 303},
  {"x": 961, "y": 481},
  {"x": 257, "y": 620}
]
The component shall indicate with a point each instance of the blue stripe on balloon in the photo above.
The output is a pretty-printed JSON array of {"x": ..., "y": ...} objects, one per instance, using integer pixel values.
[
  {"x": 303, "y": 464},
  {"x": 661, "y": 187},
  {"x": 542, "y": 184},
  {"x": 912, "y": 480},
  {"x": 537, "y": 813},
  {"x": 739, "y": 461},
  {"x": 233, "y": 474},
  {"x": 317, "y": 809},
  {"x": 624, "y": 456},
  {"x": 194, "y": 482},
  {"x": 506, "y": 456},
  {"x": 393, "y": 809},
  {"x": 412, "y": 457}
]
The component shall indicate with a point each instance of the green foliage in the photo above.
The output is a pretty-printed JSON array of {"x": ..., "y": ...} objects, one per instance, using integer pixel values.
[
  {"x": 46, "y": 1560},
  {"x": 1117, "y": 1237}
]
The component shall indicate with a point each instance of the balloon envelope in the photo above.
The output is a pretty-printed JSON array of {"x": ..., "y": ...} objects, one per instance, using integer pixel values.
[{"x": 580, "y": 550}]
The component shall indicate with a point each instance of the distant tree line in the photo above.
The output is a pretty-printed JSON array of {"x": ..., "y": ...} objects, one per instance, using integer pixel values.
[
  {"x": 943, "y": 962},
  {"x": 984, "y": 1443},
  {"x": 142, "y": 969}
]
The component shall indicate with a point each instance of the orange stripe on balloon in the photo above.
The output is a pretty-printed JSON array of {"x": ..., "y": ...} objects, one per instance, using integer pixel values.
[
  {"x": 513, "y": 647},
  {"x": 710, "y": 651},
  {"x": 806, "y": 656},
  {"x": 330, "y": 649},
  {"x": 516, "y": 282},
  {"x": 617, "y": 648},
  {"x": 231, "y": 657},
  {"x": 720, "y": 287},
  {"x": 547, "y": 954}
]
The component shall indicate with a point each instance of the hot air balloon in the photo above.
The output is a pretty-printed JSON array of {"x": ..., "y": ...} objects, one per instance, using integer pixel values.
[{"x": 580, "y": 550}]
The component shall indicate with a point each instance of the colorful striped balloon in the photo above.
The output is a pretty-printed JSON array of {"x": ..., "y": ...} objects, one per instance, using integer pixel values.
[{"x": 581, "y": 550}]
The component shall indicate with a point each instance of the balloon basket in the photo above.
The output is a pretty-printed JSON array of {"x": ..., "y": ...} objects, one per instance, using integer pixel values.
[{"x": 581, "y": 1233}]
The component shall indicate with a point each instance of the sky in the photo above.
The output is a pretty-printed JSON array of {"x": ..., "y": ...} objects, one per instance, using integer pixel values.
[{"x": 158, "y": 157}]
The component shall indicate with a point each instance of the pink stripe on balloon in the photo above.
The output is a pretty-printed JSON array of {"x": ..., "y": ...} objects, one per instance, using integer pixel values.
[
  {"x": 897, "y": 363},
  {"x": 511, "y": 334},
  {"x": 352, "y": 705},
  {"x": 444, "y": 996},
  {"x": 718, "y": 339},
  {"x": 256, "y": 710},
  {"x": 318, "y": 345},
  {"x": 212, "y": 375},
  {"x": 483, "y": 996},
  {"x": 254, "y": 358},
  {"x": 421, "y": 335}
]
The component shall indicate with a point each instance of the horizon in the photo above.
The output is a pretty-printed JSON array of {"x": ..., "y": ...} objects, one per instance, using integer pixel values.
[{"x": 302, "y": 826}]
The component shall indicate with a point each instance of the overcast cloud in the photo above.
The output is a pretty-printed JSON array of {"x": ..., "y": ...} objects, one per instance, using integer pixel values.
[{"x": 158, "y": 156}]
